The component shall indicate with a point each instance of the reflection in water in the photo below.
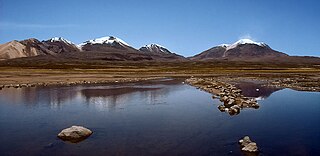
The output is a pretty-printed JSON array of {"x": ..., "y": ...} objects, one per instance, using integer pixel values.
[
  {"x": 115, "y": 96},
  {"x": 100, "y": 96},
  {"x": 255, "y": 89},
  {"x": 39, "y": 96},
  {"x": 130, "y": 119}
]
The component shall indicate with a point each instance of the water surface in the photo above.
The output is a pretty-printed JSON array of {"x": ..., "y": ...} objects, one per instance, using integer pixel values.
[{"x": 164, "y": 117}]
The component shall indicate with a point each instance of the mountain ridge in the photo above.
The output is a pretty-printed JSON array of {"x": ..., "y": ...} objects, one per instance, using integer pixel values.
[{"x": 111, "y": 48}]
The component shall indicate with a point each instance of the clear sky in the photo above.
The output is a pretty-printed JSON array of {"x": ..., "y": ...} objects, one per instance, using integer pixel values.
[{"x": 186, "y": 27}]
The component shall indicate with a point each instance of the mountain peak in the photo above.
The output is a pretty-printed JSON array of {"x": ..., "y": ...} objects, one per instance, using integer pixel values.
[
  {"x": 59, "y": 39},
  {"x": 248, "y": 41},
  {"x": 154, "y": 48},
  {"x": 241, "y": 42},
  {"x": 105, "y": 40},
  {"x": 153, "y": 45}
]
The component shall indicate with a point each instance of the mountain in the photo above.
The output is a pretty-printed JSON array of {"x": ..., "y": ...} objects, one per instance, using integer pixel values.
[
  {"x": 244, "y": 49},
  {"x": 33, "y": 47},
  {"x": 60, "y": 45},
  {"x": 15, "y": 49},
  {"x": 111, "y": 48},
  {"x": 114, "y": 49},
  {"x": 157, "y": 49},
  {"x": 105, "y": 44},
  {"x": 105, "y": 48}
]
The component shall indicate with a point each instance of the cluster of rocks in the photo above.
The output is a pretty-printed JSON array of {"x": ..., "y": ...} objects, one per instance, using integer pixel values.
[
  {"x": 74, "y": 134},
  {"x": 72, "y": 83},
  {"x": 247, "y": 145},
  {"x": 300, "y": 83},
  {"x": 233, "y": 100},
  {"x": 17, "y": 85}
]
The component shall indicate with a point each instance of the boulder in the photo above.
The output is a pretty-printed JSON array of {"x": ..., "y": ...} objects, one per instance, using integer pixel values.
[
  {"x": 234, "y": 110},
  {"x": 251, "y": 147},
  {"x": 229, "y": 103},
  {"x": 245, "y": 141},
  {"x": 247, "y": 145},
  {"x": 221, "y": 108},
  {"x": 224, "y": 98},
  {"x": 74, "y": 134}
]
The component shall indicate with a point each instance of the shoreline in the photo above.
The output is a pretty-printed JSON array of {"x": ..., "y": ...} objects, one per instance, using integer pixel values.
[{"x": 308, "y": 80}]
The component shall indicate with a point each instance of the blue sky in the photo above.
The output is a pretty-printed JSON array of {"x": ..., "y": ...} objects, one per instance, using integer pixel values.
[{"x": 185, "y": 27}]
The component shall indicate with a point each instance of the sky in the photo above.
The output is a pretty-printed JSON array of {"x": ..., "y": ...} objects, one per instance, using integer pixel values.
[{"x": 186, "y": 27}]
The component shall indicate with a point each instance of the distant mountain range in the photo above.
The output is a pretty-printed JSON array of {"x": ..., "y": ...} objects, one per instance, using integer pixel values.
[
  {"x": 114, "y": 49},
  {"x": 106, "y": 48}
]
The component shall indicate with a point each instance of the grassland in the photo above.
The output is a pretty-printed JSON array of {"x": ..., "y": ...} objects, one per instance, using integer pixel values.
[{"x": 300, "y": 77}]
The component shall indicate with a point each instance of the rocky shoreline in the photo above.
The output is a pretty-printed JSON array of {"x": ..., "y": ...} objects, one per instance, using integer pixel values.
[
  {"x": 233, "y": 100},
  {"x": 72, "y": 83}
]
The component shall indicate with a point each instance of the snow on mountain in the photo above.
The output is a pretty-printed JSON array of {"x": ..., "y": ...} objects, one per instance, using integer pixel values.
[
  {"x": 155, "y": 48},
  {"x": 105, "y": 40},
  {"x": 151, "y": 46},
  {"x": 240, "y": 42},
  {"x": 59, "y": 39}
]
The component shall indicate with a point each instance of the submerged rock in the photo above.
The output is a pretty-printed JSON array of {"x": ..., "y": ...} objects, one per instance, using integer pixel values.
[
  {"x": 247, "y": 145},
  {"x": 74, "y": 134}
]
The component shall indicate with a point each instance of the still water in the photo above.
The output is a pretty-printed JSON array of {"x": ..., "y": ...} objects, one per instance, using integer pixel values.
[{"x": 163, "y": 117}]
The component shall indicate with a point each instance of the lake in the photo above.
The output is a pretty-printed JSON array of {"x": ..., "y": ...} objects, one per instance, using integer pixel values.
[{"x": 160, "y": 117}]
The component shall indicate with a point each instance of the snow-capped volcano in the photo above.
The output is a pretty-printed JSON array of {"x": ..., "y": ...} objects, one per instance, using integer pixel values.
[
  {"x": 59, "y": 39},
  {"x": 154, "y": 48},
  {"x": 244, "y": 49},
  {"x": 105, "y": 40},
  {"x": 241, "y": 42}
]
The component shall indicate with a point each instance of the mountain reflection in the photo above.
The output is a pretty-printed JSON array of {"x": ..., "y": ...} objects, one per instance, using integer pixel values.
[
  {"x": 52, "y": 96},
  {"x": 256, "y": 90},
  {"x": 101, "y": 96},
  {"x": 111, "y": 97}
]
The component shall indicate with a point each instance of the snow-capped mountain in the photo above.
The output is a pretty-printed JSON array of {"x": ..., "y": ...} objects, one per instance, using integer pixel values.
[
  {"x": 59, "y": 39},
  {"x": 110, "y": 40},
  {"x": 242, "y": 42},
  {"x": 156, "y": 48},
  {"x": 108, "y": 43},
  {"x": 60, "y": 45},
  {"x": 244, "y": 49}
]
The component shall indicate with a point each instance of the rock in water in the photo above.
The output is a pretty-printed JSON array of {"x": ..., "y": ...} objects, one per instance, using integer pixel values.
[
  {"x": 251, "y": 147},
  {"x": 245, "y": 141},
  {"x": 74, "y": 134},
  {"x": 247, "y": 145}
]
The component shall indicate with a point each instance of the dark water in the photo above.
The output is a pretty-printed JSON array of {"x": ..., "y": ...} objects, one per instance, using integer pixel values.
[{"x": 155, "y": 118}]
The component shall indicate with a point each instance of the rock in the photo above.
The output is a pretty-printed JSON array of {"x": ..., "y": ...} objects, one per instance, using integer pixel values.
[
  {"x": 214, "y": 96},
  {"x": 234, "y": 110},
  {"x": 74, "y": 134},
  {"x": 255, "y": 105},
  {"x": 245, "y": 141},
  {"x": 229, "y": 103},
  {"x": 247, "y": 145},
  {"x": 224, "y": 98},
  {"x": 251, "y": 147},
  {"x": 221, "y": 108},
  {"x": 222, "y": 94}
]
